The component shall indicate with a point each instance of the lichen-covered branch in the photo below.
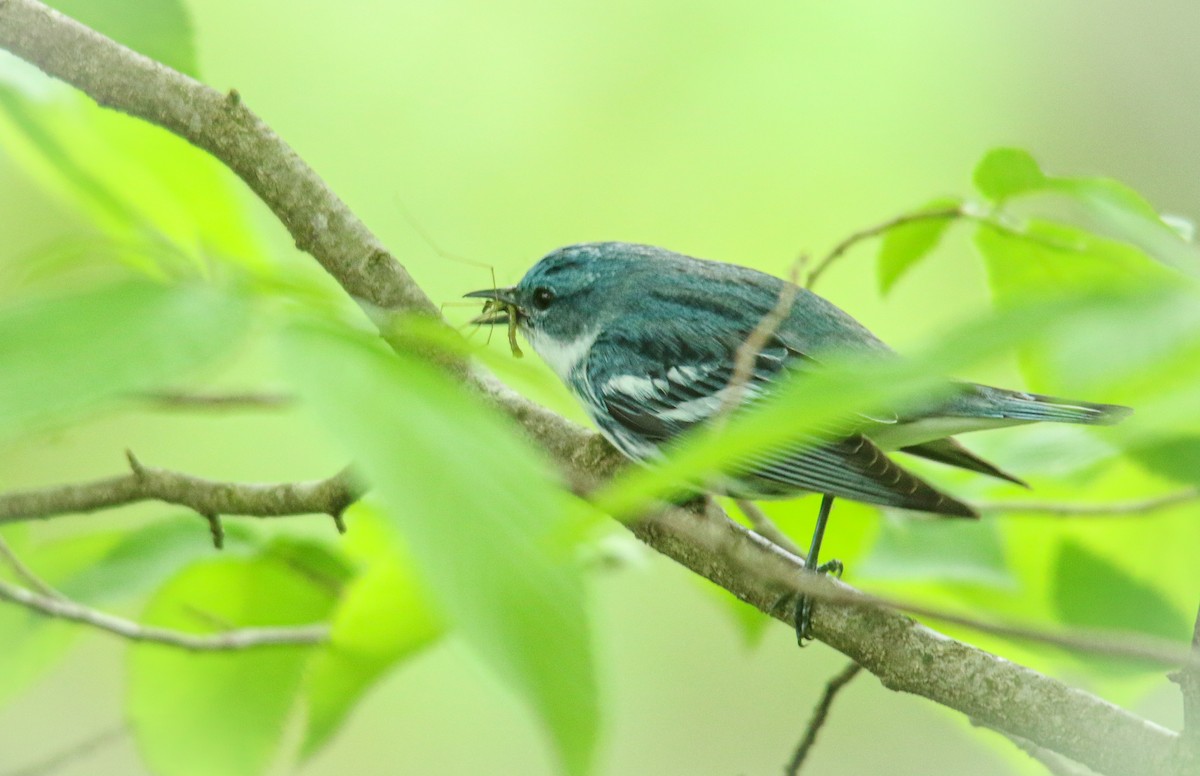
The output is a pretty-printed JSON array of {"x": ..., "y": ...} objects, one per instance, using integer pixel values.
[
  {"x": 206, "y": 497},
  {"x": 904, "y": 655}
]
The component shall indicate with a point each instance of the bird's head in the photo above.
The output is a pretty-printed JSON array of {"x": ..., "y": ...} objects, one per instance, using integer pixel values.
[{"x": 568, "y": 294}]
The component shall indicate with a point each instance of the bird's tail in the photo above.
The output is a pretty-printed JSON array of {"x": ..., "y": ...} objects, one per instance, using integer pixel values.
[{"x": 1018, "y": 405}]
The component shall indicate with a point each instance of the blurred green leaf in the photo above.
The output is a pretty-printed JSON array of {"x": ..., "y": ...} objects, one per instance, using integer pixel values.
[
  {"x": 1093, "y": 592},
  {"x": 159, "y": 29},
  {"x": 1117, "y": 209},
  {"x": 1007, "y": 172},
  {"x": 158, "y": 199},
  {"x": 143, "y": 559},
  {"x": 903, "y": 246},
  {"x": 318, "y": 562},
  {"x": 945, "y": 551},
  {"x": 93, "y": 189},
  {"x": 384, "y": 617},
  {"x": 1175, "y": 458},
  {"x": 66, "y": 355},
  {"x": 1105, "y": 347},
  {"x": 221, "y": 713},
  {"x": 1047, "y": 258},
  {"x": 483, "y": 516}
]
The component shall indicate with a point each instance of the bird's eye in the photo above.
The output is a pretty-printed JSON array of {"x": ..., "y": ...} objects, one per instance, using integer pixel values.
[{"x": 542, "y": 297}]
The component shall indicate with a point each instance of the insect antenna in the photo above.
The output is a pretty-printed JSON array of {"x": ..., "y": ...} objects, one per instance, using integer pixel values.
[{"x": 438, "y": 250}]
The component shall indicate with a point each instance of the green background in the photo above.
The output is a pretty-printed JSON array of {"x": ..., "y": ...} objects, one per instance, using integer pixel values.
[{"x": 746, "y": 134}]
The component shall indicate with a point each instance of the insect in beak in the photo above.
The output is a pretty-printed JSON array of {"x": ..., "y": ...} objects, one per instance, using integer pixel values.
[{"x": 499, "y": 308}]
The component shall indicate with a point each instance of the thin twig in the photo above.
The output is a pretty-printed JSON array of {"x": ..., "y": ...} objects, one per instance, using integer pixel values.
[
  {"x": 766, "y": 528},
  {"x": 206, "y": 497},
  {"x": 968, "y": 211},
  {"x": 76, "y": 752},
  {"x": 1113, "y": 509},
  {"x": 231, "y": 640},
  {"x": 834, "y": 686},
  {"x": 748, "y": 352},
  {"x": 957, "y": 211},
  {"x": 181, "y": 400},
  {"x": 24, "y": 573}
]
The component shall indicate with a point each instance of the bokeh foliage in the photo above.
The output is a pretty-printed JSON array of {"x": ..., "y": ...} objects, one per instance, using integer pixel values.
[{"x": 468, "y": 532}]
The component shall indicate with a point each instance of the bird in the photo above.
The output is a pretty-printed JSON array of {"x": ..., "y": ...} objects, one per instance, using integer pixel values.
[{"x": 647, "y": 340}]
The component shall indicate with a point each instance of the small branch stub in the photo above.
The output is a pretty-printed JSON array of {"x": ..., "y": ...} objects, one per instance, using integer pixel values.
[{"x": 217, "y": 530}]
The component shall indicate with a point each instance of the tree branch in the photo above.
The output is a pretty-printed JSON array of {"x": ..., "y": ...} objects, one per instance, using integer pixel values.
[
  {"x": 910, "y": 657},
  {"x": 1188, "y": 679},
  {"x": 121, "y": 79},
  {"x": 207, "y": 497},
  {"x": 820, "y": 713},
  {"x": 181, "y": 400},
  {"x": 1116, "y": 509},
  {"x": 1054, "y": 763},
  {"x": 942, "y": 214},
  {"x": 238, "y": 639},
  {"x": 766, "y": 528},
  {"x": 26, "y": 574},
  {"x": 904, "y": 655}
]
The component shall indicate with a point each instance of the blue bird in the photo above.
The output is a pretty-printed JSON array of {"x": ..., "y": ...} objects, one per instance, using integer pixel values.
[{"x": 647, "y": 340}]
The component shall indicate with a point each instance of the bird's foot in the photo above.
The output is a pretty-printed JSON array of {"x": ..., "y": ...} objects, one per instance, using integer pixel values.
[{"x": 805, "y": 603}]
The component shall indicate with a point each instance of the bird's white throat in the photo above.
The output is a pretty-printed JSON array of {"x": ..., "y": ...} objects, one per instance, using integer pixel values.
[{"x": 562, "y": 356}]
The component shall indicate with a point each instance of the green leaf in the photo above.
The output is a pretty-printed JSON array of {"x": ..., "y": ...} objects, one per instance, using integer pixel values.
[
  {"x": 143, "y": 559},
  {"x": 1047, "y": 258},
  {"x": 197, "y": 714},
  {"x": 905, "y": 245},
  {"x": 486, "y": 523},
  {"x": 1108, "y": 346},
  {"x": 384, "y": 617},
  {"x": 319, "y": 562},
  {"x": 160, "y": 29},
  {"x": 1175, "y": 458},
  {"x": 156, "y": 200},
  {"x": 1122, "y": 212},
  {"x": 1007, "y": 172},
  {"x": 938, "y": 550},
  {"x": 1093, "y": 592},
  {"x": 67, "y": 355},
  {"x": 1116, "y": 209}
]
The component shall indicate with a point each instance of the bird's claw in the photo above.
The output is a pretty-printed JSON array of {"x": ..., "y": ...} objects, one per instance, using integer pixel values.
[
  {"x": 834, "y": 567},
  {"x": 804, "y": 603}
]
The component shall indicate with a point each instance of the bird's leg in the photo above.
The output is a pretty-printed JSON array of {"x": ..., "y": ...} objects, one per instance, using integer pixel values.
[{"x": 804, "y": 606}]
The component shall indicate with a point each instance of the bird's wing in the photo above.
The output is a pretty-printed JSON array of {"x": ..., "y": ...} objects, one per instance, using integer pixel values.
[
  {"x": 852, "y": 468},
  {"x": 655, "y": 385},
  {"x": 949, "y": 451}
]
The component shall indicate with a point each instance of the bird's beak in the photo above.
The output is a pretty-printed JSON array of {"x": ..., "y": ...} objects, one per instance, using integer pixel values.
[{"x": 500, "y": 301}]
